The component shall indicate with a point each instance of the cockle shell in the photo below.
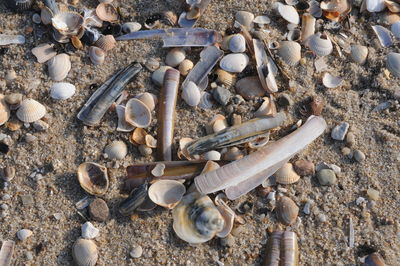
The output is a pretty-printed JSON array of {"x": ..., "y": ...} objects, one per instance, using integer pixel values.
[
  {"x": 137, "y": 113},
  {"x": 320, "y": 44},
  {"x": 96, "y": 55},
  {"x": 185, "y": 66},
  {"x": 44, "y": 52},
  {"x": 375, "y": 5},
  {"x": 359, "y": 53},
  {"x": 237, "y": 43},
  {"x": 116, "y": 150},
  {"x": 62, "y": 91},
  {"x": 93, "y": 178},
  {"x": 175, "y": 57},
  {"x": 149, "y": 99},
  {"x": 4, "y": 110},
  {"x": 286, "y": 210},
  {"x": 235, "y": 63},
  {"x": 290, "y": 52},
  {"x": 191, "y": 94},
  {"x": 59, "y": 66},
  {"x": 30, "y": 111},
  {"x": 286, "y": 175},
  {"x": 383, "y": 35},
  {"x": 289, "y": 13},
  {"x": 107, "y": 12},
  {"x": 167, "y": 193},
  {"x": 393, "y": 63},
  {"x": 226, "y": 78},
  {"x": 395, "y": 28},
  {"x": 331, "y": 81},
  {"x": 106, "y": 42},
  {"x": 196, "y": 219},
  {"x": 84, "y": 252},
  {"x": 67, "y": 23}
]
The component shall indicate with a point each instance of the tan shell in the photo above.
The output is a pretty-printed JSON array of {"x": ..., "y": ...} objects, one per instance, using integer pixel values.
[
  {"x": 170, "y": 18},
  {"x": 227, "y": 213},
  {"x": 149, "y": 99},
  {"x": 225, "y": 78},
  {"x": 93, "y": 178},
  {"x": 175, "y": 57},
  {"x": 267, "y": 108},
  {"x": 193, "y": 13},
  {"x": 167, "y": 193},
  {"x": 185, "y": 66},
  {"x": 217, "y": 123},
  {"x": 137, "y": 113},
  {"x": 85, "y": 252},
  {"x": 138, "y": 136},
  {"x": 44, "y": 52},
  {"x": 4, "y": 110},
  {"x": 320, "y": 44},
  {"x": 210, "y": 166},
  {"x": 307, "y": 26},
  {"x": 392, "y": 6},
  {"x": 59, "y": 66},
  {"x": 290, "y": 52},
  {"x": 304, "y": 167},
  {"x": 106, "y": 42},
  {"x": 359, "y": 53},
  {"x": 249, "y": 87},
  {"x": 30, "y": 111},
  {"x": 286, "y": 210},
  {"x": 158, "y": 170},
  {"x": 393, "y": 63},
  {"x": 97, "y": 55},
  {"x": 107, "y": 12},
  {"x": 286, "y": 175},
  {"x": 116, "y": 150},
  {"x": 76, "y": 42}
]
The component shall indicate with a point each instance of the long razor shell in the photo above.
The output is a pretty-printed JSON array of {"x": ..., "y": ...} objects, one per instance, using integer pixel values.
[
  {"x": 265, "y": 67},
  {"x": 269, "y": 156},
  {"x": 98, "y": 104},
  {"x": 6, "y": 252},
  {"x": 307, "y": 26}
]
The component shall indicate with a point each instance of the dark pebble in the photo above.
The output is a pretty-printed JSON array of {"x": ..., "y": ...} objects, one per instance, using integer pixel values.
[{"x": 98, "y": 210}]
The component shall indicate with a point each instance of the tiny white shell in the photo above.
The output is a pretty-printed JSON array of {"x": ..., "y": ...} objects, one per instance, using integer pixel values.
[
  {"x": 175, "y": 57},
  {"x": 290, "y": 52},
  {"x": 330, "y": 81},
  {"x": 85, "y": 252},
  {"x": 395, "y": 28},
  {"x": 320, "y": 44},
  {"x": 289, "y": 13},
  {"x": 149, "y": 99},
  {"x": 62, "y": 90},
  {"x": 158, "y": 76},
  {"x": 191, "y": 94},
  {"x": 59, "y": 66},
  {"x": 116, "y": 150},
  {"x": 167, "y": 193},
  {"x": 245, "y": 18},
  {"x": 212, "y": 156},
  {"x": 375, "y": 5},
  {"x": 393, "y": 63},
  {"x": 23, "y": 234},
  {"x": 235, "y": 63},
  {"x": 137, "y": 113},
  {"x": 359, "y": 53},
  {"x": 262, "y": 20},
  {"x": 44, "y": 52},
  {"x": 237, "y": 43},
  {"x": 30, "y": 111},
  {"x": 96, "y": 55},
  {"x": 129, "y": 27}
]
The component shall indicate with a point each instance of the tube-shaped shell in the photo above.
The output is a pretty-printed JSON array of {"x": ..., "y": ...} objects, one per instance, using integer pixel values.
[
  {"x": 290, "y": 52},
  {"x": 93, "y": 178},
  {"x": 393, "y": 63},
  {"x": 6, "y": 252},
  {"x": 62, "y": 90},
  {"x": 307, "y": 26},
  {"x": 320, "y": 44},
  {"x": 30, "y": 111},
  {"x": 266, "y": 69},
  {"x": 84, "y": 252},
  {"x": 116, "y": 150},
  {"x": 282, "y": 249},
  {"x": 286, "y": 210},
  {"x": 96, "y": 55},
  {"x": 59, "y": 66},
  {"x": 359, "y": 53},
  {"x": 286, "y": 175},
  {"x": 4, "y": 110},
  {"x": 137, "y": 113},
  {"x": 167, "y": 193},
  {"x": 106, "y": 42}
]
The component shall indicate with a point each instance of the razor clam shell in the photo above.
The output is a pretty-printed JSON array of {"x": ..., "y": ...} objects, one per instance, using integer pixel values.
[
  {"x": 359, "y": 53},
  {"x": 265, "y": 64},
  {"x": 6, "y": 252},
  {"x": 289, "y": 13},
  {"x": 6, "y": 39},
  {"x": 307, "y": 26},
  {"x": 30, "y": 111},
  {"x": 191, "y": 94},
  {"x": 137, "y": 113},
  {"x": 375, "y": 5},
  {"x": 282, "y": 248},
  {"x": 62, "y": 91},
  {"x": 393, "y": 63},
  {"x": 186, "y": 23},
  {"x": 167, "y": 193},
  {"x": 234, "y": 63},
  {"x": 395, "y": 28},
  {"x": 290, "y": 52},
  {"x": 59, "y": 66},
  {"x": 123, "y": 126},
  {"x": 44, "y": 52},
  {"x": 84, "y": 252},
  {"x": 331, "y": 81},
  {"x": 383, "y": 35},
  {"x": 135, "y": 199},
  {"x": 320, "y": 46}
]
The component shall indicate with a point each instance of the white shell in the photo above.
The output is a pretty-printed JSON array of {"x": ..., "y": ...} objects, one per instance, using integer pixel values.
[
  {"x": 44, "y": 52},
  {"x": 175, "y": 57},
  {"x": 85, "y": 252},
  {"x": 393, "y": 63},
  {"x": 62, "y": 91},
  {"x": 191, "y": 94},
  {"x": 245, "y": 18},
  {"x": 4, "y": 110},
  {"x": 96, "y": 55},
  {"x": 59, "y": 66},
  {"x": 158, "y": 170},
  {"x": 320, "y": 44},
  {"x": 289, "y": 13},
  {"x": 375, "y": 5},
  {"x": 212, "y": 156},
  {"x": 23, "y": 234},
  {"x": 286, "y": 175},
  {"x": 30, "y": 111},
  {"x": 237, "y": 43},
  {"x": 129, "y": 27},
  {"x": 123, "y": 126},
  {"x": 330, "y": 81},
  {"x": 262, "y": 20},
  {"x": 359, "y": 53},
  {"x": 290, "y": 52},
  {"x": 137, "y": 113},
  {"x": 167, "y": 193},
  {"x": 149, "y": 99},
  {"x": 116, "y": 150},
  {"x": 227, "y": 213},
  {"x": 235, "y": 63},
  {"x": 307, "y": 26},
  {"x": 383, "y": 35},
  {"x": 395, "y": 28},
  {"x": 158, "y": 76}
]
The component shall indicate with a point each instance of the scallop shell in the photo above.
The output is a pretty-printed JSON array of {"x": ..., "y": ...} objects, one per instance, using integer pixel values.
[
  {"x": 44, "y": 52},
  {"x": 167, "y": 193},
  {"x": 96, "y": 55},
  {"x": 307, "y": 26},
  {"x": 359, "y": 53},
  {"x": 286, "y": 175},
  {"x": 59, "y": 66},
  {"x": 158, "y": 76},
  {"x": 19, "y": 5},
  {"x": 93, "y": 178},
  {"x": 237, "y": 43},
  {"x": 149, "y": 99},
  {"x": 393, "y": 63},
  {"x": 383, "y": 35},
  {"x": 375, "y": 5},
  {"x": 320, "y": 44},
  {"x": 191, "y": 94},
  {"x": 196, "y": 219},
  {"x": 185, "y": 67},
  {"x": 175, "y": 57},
  {"x": 4, "y": 110},
  {"x": 290, "y": 52},
  {"x": 107, "y": 12},
  {"x": 331, "y": 81},
  {"x": 249, "y": 87},
  {"x": 395, "y": 28},
  {"x": 138, "y": 136},
  {"x": 226, "y": 78},
  {"x": 235, "y": 63},
  {"x": 30, "y": 111},
  {"x": 244, "y": 18},
  {"x": 289, "y": 13},
  {"x": 84, "y": 252},
  {"x": 106, "y": 42},
  {"x": 286, "y": 210},
  {"x": 137, "y": 113},
  {"x": 116, "y": 150},
  {"x": 62, "y": 91}
]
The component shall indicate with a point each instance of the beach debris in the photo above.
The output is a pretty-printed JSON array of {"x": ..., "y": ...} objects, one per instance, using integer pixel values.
[
  {"x": 24, "y": 234},
  {"x": 44, "y": 52},
  {"x": 359, "y": 53},
  {"x": 339, "y": 132},
  {"x": 326, "y": 177},
  {"x": 135, "y": 199},
  {"x": 286, "y": 175},
  {"x": 97, "y": 55},
  {"x": 116, "y": 150},
  {"x": 282, "y": 247},
  {"x": 167, "y": 193},
  {"x": 6, "y": 39},
  {"x": 62, "y": 90},
  {"x": 93, "y": 178},
  {"x": 383, "y": 34},
  {"x": 84, "y": 252},
  {"x": 4, "y": 110},
  {"x": 331, "y": 81},
  {"x": 320, "y": 44},
  {"x": 137, "y": 113},
  {"x": 266, "y": 68},
  {"x": 59, "y": 67},
  {"x": 98, "y": 210},
  {"x": 6, "y": 252},
  {"x": 393, "y": 63},
  {"x": 286, "y": 210},
  {"x": 89, "y": 231},
  {"x": 30, "y": 111}
]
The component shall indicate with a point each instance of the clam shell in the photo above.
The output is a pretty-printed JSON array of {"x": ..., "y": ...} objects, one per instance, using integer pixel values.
[
  {"x": 67, "y": 23},
  {"x": 191, "y": 94},
  {"x": 245, "y": 18},
  {"x": 286, "y": 210},
  {"x": 170, "y": 18},
  {"x": 221, "y": 124},
  {"x": 138, "y": 136},
  {"x": 235, "y": 63},
  {"x": 375, "y": 5},
  {"x": 149, "y": 99},
  {"x": 59, "y": 66},
  {"x": 331, "y": 81},
  {"x": 359, "y": 53},
  {"x": 232, "y": 154},
  {"x": 393, "y": 63},
  {"x": 320, "y": 44},
  {"x": 44, "y": 52},
  {"x": 383, "y": 35},
  {"x": 249, "y": 87},
  {"x": 122, "y": 126},
  {"x": 175, "y": 57},
  {"x": 150, "y": 141},
  {"x": 96, "y": 55},
  {"x": 167, "y": 193},
  {"x": 137, "y": 113},
  {"x": 30, "y": 111},
  {"x": 212, "y": 156},
  {"x": 289, "y": 13},
  {"x": 19, "y": 5},
  {"x": 129, "y": 27},
  {"x": 392, "y": 6},
  {"x": 93, "y": 178},
  {"x": 84, "y": 252},
  {"x": 286, "y": 175},
  {"x": 237, "y": 43},
  {"x": 307, "y": 26},
  {"x": 107, "y": 12},
  {"x": 395, "y": 28},
  {"x": 106, "y": 42},
  {"x": 290, "y": 52},
  {"x": 226, "y": 78},
  {"x": 185, "y": 66},
  {"x": 4, "y": 110},
  {"x": 116, "y": 150},
  {"x": 158, "y": 76},
  {"x": 62, "y": 91},
  {"x": 262, "y": 20}
]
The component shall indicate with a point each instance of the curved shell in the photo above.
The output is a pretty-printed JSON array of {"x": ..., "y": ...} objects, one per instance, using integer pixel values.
[
  {"x": 307, "y": 26},
  {"x": 138, "y": 136},
  {"x": 359, "y": 53},
  {"x": 331, "y": 81},
  {"x": 227, "y": 213},
  {"x": 286, "y": 210},
  {"x": 290, "y": 52},
  {"x": 196, "y": 219},
  {"x": 395, "y": 28},
  {"x": 46, "y": 15},
  {"x": 4, "y": 110},
  {"x": 107, "y": 12},
  {"x": 85, "y": 252},
  {"x": 393, "y": 63},
  {"x": 191, "y": 94},
  {"x": 294, "y": 35},
  {"x": 175, "y": 57},
  {"x": 93, "y": 178},
  {"x": 262, "y": 20},
  {"x": 235, "y": 63},
  {"x": 383, "y": 35},
  {"x": 226, "y": 78},
  {"x": 237, "y": 43},
  {"x": 320, "y": 44},
  {"x": 106, "y": 42},
  {"x": 267, "y": 108},
  {"x": 158, "y": 76},
  {"x": 185, "y": 67},
  {"x": 212, "y": 156},
  {"x": 129, "y": 27},
  {"x": 44, "y": 52},
  {"x": 96, "y": 55},
  {"x": 150, "y": 141},
  {"x": 289, "y": 13},
  {"x": 19, "y": 5},
  {"x": 30, "y": 111},
  {"x": 62, "y": 91},
  {"x": 59, "y": 66},
  {"x": 286, "y": 175},
  {"x": 167, "y": 193},
  {"x": 149, "y": 99},
  {"x": 67, "y": 23},
  {"x": 244, "y": 18},
  {"x": 375, "y": 5},
  {"x": 206, "y": 100},
  {"x": 137, "y": 113},
  {"x": 116, "y": 150}
]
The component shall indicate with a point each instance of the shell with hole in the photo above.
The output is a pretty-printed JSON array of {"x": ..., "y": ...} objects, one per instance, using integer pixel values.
[
  {"x": 30, "y": 111},
  {"x": 149, "y": 99},
  {"x": 286, "y": 175},
  {"x": 62, "y": 91},
  {"x": 167, "y": 193},
  {"x": 359, "y": 53},
  {"x": 331, "y": 81},
  {"x": 116, "y": 150},
  {"x": 84, "y": 252},
  {"x": 93, "y": 178},
  {"x": 290, "y": 52},
  {"x": 393, "y": 63},
  {"x": 106, "y": 42},
  {"x": 320, "y": 44},
  {"x": 137, "y": 113},
  {"x": 59, "y": 66},
  {"x": 286, "y": 210},
  {"x": 97, "y": 55},
  {"x": 191, "y": 94},
  {"x": 4, "y": 110}
]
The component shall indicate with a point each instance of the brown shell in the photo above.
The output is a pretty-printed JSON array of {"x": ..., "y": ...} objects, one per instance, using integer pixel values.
[
  {"x": 93, "y": 178},
  {"x": 106, "y": 42},
  {"x": 304, "y": 167},
  {"x": 225, "y": 78},
  {"x": 286, "y": 210},
  {"x": 107, "y": 12}
]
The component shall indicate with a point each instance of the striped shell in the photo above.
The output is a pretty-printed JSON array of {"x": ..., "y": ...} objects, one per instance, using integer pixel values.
[
  {"x": 19, "y": 5},
  {"x": 137, "y": 113},
  {"x": 106, "y": 42},
  {"x": 286, "y": 175},
  {"x": 62, "y": 91},
  {"x": 290, "y": 52},
  {"x": 286, "y": 210},
  {"x": 359, "y": 53},
  {"x": 191, "y": 94},
  {"x": 4, "y": 110},
  {"x": 320, "y": 44},
  {"x": 167, "y": 193},
  {"x": 59, "y": 66},
  {"x": 30, "y": 111},
  {"x": 85, "y": 252},
  {"x": 393, "y": 63},
  {"x": 116, "y": 150},
  {"x": 96, "y": 55}
]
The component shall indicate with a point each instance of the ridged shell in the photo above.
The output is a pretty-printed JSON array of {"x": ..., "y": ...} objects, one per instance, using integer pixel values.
[
  {"x": 395, "y": 28},
  {"x": 19, "y": 5},
  {"x": 175, "y": 57},
  {"x": 106, "y": 42},
  {"x": 249, "y": 87},
  {"x": 289, "y": 13},
  {"x": 107, "y": 12},
  {"x": 93, "y": 178},
  {"x": 185, "y": 67},
  {"x": 116, "y": 150},
  {"x": 96, "y": 55},
  {"x": 304, "y": 167},
  {"x": 149, "y": 99},
  {"x": 286, "y": 175},
  {"x": 235, "y": 63},
  {"x": 137, "y": 113},
  {"x": 286, "y": 210},
  {"x": 167, "y": 193},
  {"x": 290, "y": 52},
  {"x": 59, "y": 66},
  {"x": 320, "y": 44},
  {"x": 30, "y": 111},
  {"x": 4, "y": 110},
  {"x": 44, "y": 52},
  {"x": 226, "y": 78},
  {"x": 237, "y": 43},
  {"x": 62, "y": 91},
  {"x": 359, "y": 53},
  {"x": 393, "y": 63},
  {"x": 191, "y": 94},
  {"x": 331, "y": 81},
  {"x": 392, "y": 6},
  {"x": 85, "y": 252}
]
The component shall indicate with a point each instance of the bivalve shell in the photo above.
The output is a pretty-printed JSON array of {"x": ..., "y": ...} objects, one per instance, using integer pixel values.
[
  {"x": 262, "y": 20},
  {"x": 44, "y": 52},
  {"x": 59, "y": 66},
  {"x": 320, "y": 44},
  {"x": 249, "y": 87},
  {"x": 116, "y": 150},
  {"x": 30, "y": 111},
  {"x": 67, "y": 23},
  {"x": 185, "y": 67},
  {"x": 395, "y": 28},
  {"x": 290, "y": 52},
  {"x": 138, "y": 136},
  {"x": 245, "y": 18},
  {"x": 97, "y": 55},
  {"x": 375, "y": 5},
  {"x": 150, "y": 141},
  {"x": 24, "y": 234},
  {"x": 286, "y": 211},
  {"x": 286, "y": 175},
  {"x": 393, "y": 63},
  {"x": 46, "y": 15},
  {"x": 62, "y": 91},
  {"x": 137, "y": 113},
  {"x": 235, "y": 63},
  {"x": 129, "y": 27},
  {"x": 93, "y": 178},
  {"x": 226, "y": 78},
  {"x": 191, "y": 94},
  {"x": 289, "y": 13},
  {"x": 106, "y": 42},
  {"x": 158, "y": 76},
  {"x": 149, "y": 99},
  {"x": 307, "y": 26},
  {"x": 237, "y": 43},
  {"x": 267, "y": 108},
  {"x": 84, "y": 252},
  {"x": 167, "y": 193},
  {"x": 359, "y": 53},
  {"x": 331, "y": 81},
  {"x": 383, "y": 35},
  {"x": 175, "y": 57},
  {"x": 4, "y": 110},
  {"x": 107, "y": 12}
]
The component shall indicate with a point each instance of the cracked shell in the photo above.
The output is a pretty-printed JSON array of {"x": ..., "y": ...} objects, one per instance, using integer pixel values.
[
  {"x": 59, "y": 66},
  {"x": 30, "y": 111},
  {"x": 93, "y": 178}
]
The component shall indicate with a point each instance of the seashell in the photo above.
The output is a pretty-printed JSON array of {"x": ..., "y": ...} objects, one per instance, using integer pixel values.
[
  {"x": 289, "y": 13},
  {"x": 46, "y": 15},
  {"x": 393, "y": 63},
  {"x": 62, "y": 91},
  {"x": 122, "y": 126},
  {"x": 44, "y": 52},
  {"x": 304, "y": 167},
  {"x": 392, "y": 6},
  {"x": 93, "y": 178},
  {"x": 19, "y": 5},
  {"x": 169, "y": 18},
  {"x": 116, "y": 150},
  {"x": 244, "y": 18},
  {"x": 307, "y": 26},
  {"x": 23, "y": 234},
  {"x": 212, "y": 156},
  {"x": 76, "y": 42},
  {"x": 210, "y": 166},
  {"x": 375, "y": 5},
  {"x": 266, "y": 68},
  {"x": 317, "y": 105},
  {"x": 6, "y": 252},
  {"x": 225, "y": 42},
  {"x": 13, "y": 99},
  {"x": 158, "y": 170},
  {"x": 175, "y": 57},
  {"x": 359, "y": 53},
  {"x": 193, "y": 13},
  {"x": 221, "y": 124},
  {"x": 389, "y": 18},
  {"x": 286, "y": 210},
  {"x": 282, "y": 249},
  {"x": 259, "y": 142},
  {"x": 138, "y": 136},
  {"x": 320, "y": 44},
  {"x": 6, "y": 39},
  {"x": 267, "y": 108},
  {"x": 185, "y": 66},
  {"x": 107, "y": 12},
  {"x": 137, "y": 113},
  {"x": 290, "y": 52},
  {"x": 232, "y": 154},
  {"x": 249, "y": 87},
  {"x": 149, "y": 99},
  {"x": 315, "y": 9},
  {"x": 59, "y": 66},
  {"x": 286, "y": 175},
  {"x": 196, "y": 219},
  {"x": 158, "y": 76},
  {"x": 84, "y": 252},
  {"x": 330, "y": 81},
  {"x": 182, "y": 152},
  {"x": 235, "y": 63},
  {"x": 167, "y": 193},
  {"x": 191, "y": 94},
  {"x": 152, "y": 64},
  {"x": 4, "y": 110},
  {"x": 150, "y": 141},
  {"x": 226, "y": 78},
  {"x": 262, "y": 20},
  {"x": 227, "y": 213},
  {"x": 136, "y": 198},
  {"x": 206, "y": 100},
  {"x": 237, "y": 43},
  {"x": 129, "y": 27},
  {"x": 395, "y": 28},
  {"x": 96, "y": 55},
  {"x": 383, "y": 35},
  {"x": 30, "y": 111},
  {"x": 67, "y": 23},
  {"x": 106, "y": 42},
  {"x": 294, "y": 35},
  {"x": 144, "y": 150}
]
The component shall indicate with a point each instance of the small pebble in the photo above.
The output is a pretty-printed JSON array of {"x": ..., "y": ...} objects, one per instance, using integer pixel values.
[
  {"x": 346, "y": 152},
  {"x": 322, "y": 218},
  {"x": 23, "y": 234},
  {"x": 373, "y": 194},
  {"x": 10, "y": 75},
  {"x": 99, "y": 210},
  {"x": 29, "y": 255},
  {"x": 29, "y": 138},
  {"x": 350, "y": 139},
  {"x": 221, "y": 95},
  {"x": 4, "y": 207},
  {"x": 339, "y": 132},
  {"x": 359, "y": 155},
  {"x": 8, "y": 173},
  {"x": 40, "y": 125},
  {"x": 238, "y": 99},
  {"x": 307, "y": 207},
  {"x": 326, "y": 177},
  {"x": 89, "y": 231},
  {"x": 228, "y": 241},
  {"x": 285, "y": 100},
  {"x": 136, "y": 252}
]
